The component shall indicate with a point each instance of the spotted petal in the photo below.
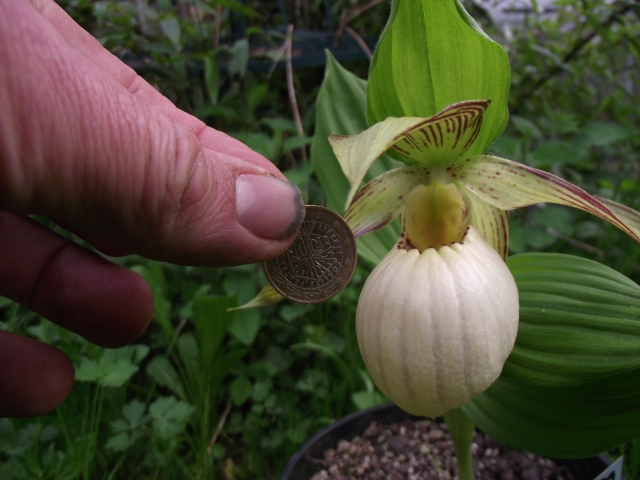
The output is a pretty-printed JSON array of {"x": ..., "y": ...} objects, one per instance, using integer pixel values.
[
  {"x": 491, "y": 222},
  {"x": 432, "y": 141},
  {"x": 508, "y": 185},
  {"x": 382, "y": 199}
]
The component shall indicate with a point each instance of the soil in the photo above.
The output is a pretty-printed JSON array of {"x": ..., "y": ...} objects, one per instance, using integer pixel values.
[{"x": 423, "y": 450}]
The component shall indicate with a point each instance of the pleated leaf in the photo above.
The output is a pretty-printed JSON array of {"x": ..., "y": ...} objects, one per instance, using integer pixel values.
[
  {"x": 566, "y": 422},
  {"x": 571, "y": 387},
  {"x": 431, "y": 55},
  {"x": 579, "y": 321}
]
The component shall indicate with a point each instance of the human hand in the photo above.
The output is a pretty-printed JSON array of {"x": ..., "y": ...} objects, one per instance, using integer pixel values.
[{"x": 88, "y": 143}]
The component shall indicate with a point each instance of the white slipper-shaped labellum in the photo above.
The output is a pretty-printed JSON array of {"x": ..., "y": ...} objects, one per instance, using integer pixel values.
[{"x": 435, "y": 328}]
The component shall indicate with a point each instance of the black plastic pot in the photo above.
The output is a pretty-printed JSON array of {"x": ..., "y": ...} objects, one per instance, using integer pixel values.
[{"x": 353, "y": 425}]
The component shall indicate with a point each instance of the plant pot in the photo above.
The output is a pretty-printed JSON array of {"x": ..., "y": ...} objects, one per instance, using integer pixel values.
[{"x": 300, "y": 468}]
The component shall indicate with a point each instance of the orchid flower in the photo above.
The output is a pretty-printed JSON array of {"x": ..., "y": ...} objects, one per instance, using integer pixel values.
[{"x": 438, "y": 317}]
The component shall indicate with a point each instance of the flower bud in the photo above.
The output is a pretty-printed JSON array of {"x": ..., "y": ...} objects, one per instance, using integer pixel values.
[{"x": 435, "y": 328}]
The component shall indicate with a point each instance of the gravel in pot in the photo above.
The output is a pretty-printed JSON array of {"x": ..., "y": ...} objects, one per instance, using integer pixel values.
[{"x": 385, "y": 443}]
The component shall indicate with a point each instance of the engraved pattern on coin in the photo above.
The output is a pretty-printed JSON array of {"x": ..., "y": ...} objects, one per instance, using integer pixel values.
[{"x": 319, "y": 263}]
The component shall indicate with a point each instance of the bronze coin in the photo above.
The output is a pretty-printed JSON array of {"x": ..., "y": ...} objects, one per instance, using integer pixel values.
[{"x": 319, "y": 263}]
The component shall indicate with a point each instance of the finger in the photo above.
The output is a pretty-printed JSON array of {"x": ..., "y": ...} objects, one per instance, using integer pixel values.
[
  {"x": 91, "y": 49},
  {"x": 34, "y": 377},
  {"x": 81, "y": 148},
  {"x": 70, "y": 285}
]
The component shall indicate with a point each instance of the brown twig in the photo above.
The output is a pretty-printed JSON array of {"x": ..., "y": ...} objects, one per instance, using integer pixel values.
[
  {"x": 219, "y": 426},
  {"x": 570, "y": 55},
  {"x": 345, "y": 19},
  {"x": 281, "y": 51},
  {"x": 361, "y": 43},
  {"x": 216, "y": 36},
  {"x": 576, "y": 243},
  {"x": 292, "y": 92}
]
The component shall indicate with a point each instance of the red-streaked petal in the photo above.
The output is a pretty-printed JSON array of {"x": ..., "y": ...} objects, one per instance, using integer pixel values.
[
  {"x": 382, "y": 199},
  {"x": 508, "y": 185},
  {"x": 432, "y": 141},
  {"x": 491, "y": 222}
]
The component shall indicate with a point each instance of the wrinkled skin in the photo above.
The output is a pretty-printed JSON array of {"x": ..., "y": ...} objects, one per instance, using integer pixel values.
[{"x": 88, "y": 143}]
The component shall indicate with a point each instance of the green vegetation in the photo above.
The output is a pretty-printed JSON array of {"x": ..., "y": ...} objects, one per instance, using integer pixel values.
[{"x": 210, "y": 394}]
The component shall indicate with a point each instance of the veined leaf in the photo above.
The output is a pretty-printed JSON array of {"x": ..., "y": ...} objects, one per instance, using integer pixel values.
[
  {"x": 507, "y": 185},
  {"x": 579, "y": 321},
  {"x": 571, "y": 387},
  {"x": 568, "y": 422},
  {"x": 340, "y": 109},
  {"x": 431, "y": 55}
]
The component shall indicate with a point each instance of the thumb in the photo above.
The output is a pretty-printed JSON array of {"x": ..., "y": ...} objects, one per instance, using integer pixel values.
[{"x": 77, "y": 146}]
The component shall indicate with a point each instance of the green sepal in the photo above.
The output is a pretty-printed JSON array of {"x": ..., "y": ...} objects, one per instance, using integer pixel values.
[{"x": 432, "y": 54}]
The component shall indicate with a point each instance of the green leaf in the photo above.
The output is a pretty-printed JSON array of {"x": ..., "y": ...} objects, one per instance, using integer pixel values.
[
  {"x": 212, "y": 320},
  {"x": 170, "y": 416},
  {"x": 162, "y": 371},
  {"x": 568, "y": 422},
  {"x": 121, "y": 441},
  {"x": 556, "y": 152},
  {"x": 296, "y": 142},
  {"x": 211, "y": 78},
  {"x": 431, "y": 55},
  {"x": 260, "y": 142},
  {"x": 245, "y": 326},
  {"x": 171, "y": 29},
  {"x": 579, "y": 321},
  {"x": 114, "y": 368},
  {"x": 300, "y": 176},
  {"x": 571, "y": 387},
  {"x": 364, "y": 399},
  {"x": 603, "y": 133},
  {"x": 340, "y": 109},
  {"x": 240, "y": 390},
  {"x": 238, "y": 63},
  {"x": 154, "y": 276}
]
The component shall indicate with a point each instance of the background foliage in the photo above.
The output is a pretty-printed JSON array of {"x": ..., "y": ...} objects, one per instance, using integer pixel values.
[{"x": 234, "y": 398}]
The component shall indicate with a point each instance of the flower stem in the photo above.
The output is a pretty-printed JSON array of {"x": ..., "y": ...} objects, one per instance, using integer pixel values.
[{"x": 461, "y": 428}]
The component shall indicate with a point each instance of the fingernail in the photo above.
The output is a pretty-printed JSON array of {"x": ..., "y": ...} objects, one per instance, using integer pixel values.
[{"x": 268, "y": 207}]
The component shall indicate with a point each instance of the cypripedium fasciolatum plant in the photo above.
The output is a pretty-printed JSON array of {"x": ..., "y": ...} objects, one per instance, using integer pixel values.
[
  {"x": 438, "y": 316},
  {"x": 541, "y": 351}
]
